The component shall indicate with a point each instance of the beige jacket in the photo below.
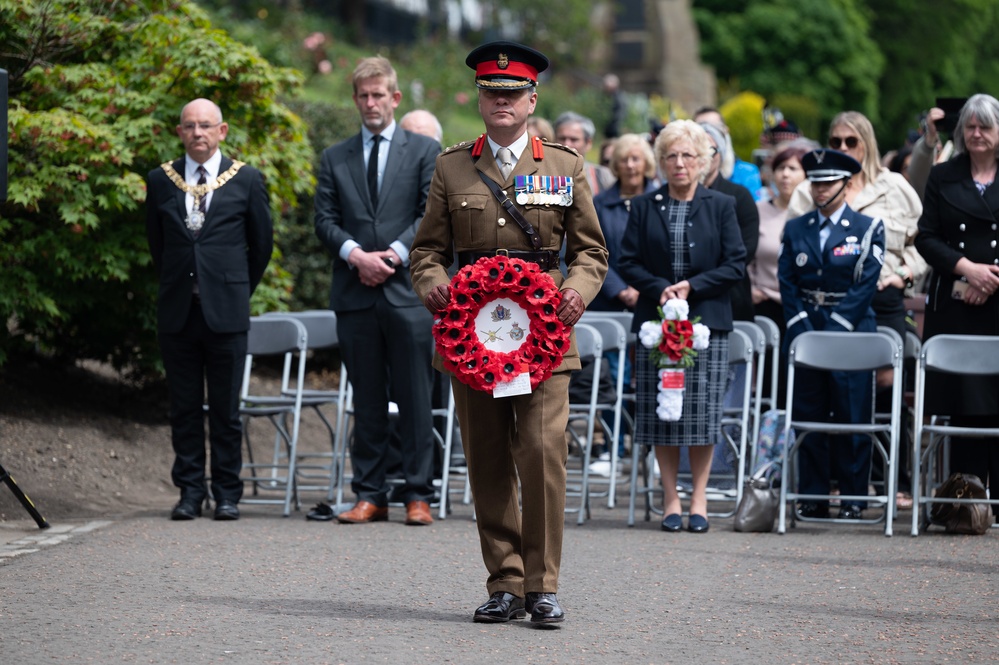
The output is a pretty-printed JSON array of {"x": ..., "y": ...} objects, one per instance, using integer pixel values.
[{"x": 892, "y": 199}]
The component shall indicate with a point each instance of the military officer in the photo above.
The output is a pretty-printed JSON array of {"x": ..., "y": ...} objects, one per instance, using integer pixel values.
[
  {"x": 828, "y": 269},
  {"x": 519, "y": 437}
]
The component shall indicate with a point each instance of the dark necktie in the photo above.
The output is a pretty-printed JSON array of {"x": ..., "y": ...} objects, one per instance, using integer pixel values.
[
  {"x": 373, "y": 171},
  {"x": 825, "y": 228},
  {"x": 203, "y": 180},
  {"x": 203, "y": 199}
]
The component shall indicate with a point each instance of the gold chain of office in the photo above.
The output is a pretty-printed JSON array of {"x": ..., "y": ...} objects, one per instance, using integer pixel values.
[{"x": 197, "y": 191}]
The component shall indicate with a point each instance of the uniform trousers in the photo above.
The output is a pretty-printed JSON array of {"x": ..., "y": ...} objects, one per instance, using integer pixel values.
[
  {"x": 193, "y": 357},
  {"x": 841, "y": 397},
  {"x": 507, "y": 438}
]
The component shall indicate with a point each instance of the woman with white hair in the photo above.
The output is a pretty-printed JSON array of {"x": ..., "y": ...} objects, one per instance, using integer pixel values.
[
  {"x": 683, "y": 242},
  {"x": 957, "y": 236}
]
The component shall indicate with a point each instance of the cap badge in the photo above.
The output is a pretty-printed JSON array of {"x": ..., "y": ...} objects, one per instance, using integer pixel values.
[
  {"x": 503, "y": 62},
  {"x": 820, "y": 155}
]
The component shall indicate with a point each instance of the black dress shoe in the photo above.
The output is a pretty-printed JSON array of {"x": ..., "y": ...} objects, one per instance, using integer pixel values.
[
  {"x": 672, "y": 523},
  {"x": 186, "y": 509},
  {"x": 226, "y": 511},
  {"x": 812, "y": 510},
  {"x": 697, "y": 524},
  {"x": 321, "y": 513},
  {"x": 500, "y": 608},
  {"x": 544, "y": 608},
  {"x": 851, "y": 512}
]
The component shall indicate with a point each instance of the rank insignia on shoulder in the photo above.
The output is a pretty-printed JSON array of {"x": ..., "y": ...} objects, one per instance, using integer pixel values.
[{"x": 543, "y": 190}]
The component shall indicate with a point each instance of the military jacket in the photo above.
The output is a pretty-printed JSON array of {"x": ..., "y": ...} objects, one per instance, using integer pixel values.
[{"x": 463, "y": 215}]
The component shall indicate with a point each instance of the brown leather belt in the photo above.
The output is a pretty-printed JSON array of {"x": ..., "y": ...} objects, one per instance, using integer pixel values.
[{"x": 546, "y": 259}]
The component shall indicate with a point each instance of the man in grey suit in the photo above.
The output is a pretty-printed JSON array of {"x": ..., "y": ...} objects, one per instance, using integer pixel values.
[{"x": 370, "y": 198}]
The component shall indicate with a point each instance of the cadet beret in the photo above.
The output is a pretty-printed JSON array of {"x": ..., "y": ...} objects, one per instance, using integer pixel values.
[
  {"x": 506, "y": 65},
  {"x": 824, "y": 165}
]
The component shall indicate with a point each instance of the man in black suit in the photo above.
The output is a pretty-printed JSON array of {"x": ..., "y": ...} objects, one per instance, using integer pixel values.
[
  {"x": 370, "y": 198},
  {"x": 209, "y": 227}
]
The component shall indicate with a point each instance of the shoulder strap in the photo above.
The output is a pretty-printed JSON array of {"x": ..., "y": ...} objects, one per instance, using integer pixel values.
[{"x": 511, "y": 210}]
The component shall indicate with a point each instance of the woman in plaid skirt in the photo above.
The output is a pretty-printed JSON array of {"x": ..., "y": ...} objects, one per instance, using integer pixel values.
[{"x": 683, "y": 241}]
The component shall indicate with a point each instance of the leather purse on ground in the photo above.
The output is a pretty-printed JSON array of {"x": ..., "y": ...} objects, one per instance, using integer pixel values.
[
  {"x": 757, "y": 509},
  {"x": 966, "y": 518}
]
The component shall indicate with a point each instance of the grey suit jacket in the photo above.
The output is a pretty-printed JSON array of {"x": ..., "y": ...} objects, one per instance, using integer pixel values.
[{"x": 344, "y": 212}]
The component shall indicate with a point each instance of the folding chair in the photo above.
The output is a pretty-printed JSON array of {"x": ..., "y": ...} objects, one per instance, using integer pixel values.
[
  {"x": 273, "y": 336},
  {"x": 445, "y": 442},
  {"x": 755, "y": 370},
  {"x": 847, "y": 352},
  {"x": 614, "y": 338},
  {"x": 589, "y": 344},
  {"x": 772, "y": 332},
  {"x": 740, "y": 352},
  {"x": 969, "y": 355},
  {"x": 320, "y": 325}
]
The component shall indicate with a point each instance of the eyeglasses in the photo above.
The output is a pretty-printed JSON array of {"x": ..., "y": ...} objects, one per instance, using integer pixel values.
[
  {"x": 203, "y": 126},
  {"x": 851, "y": 142},
  {"x": 674, "y": 157}
]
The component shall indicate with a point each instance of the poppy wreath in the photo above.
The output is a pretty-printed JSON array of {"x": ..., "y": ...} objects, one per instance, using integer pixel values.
[{"x": 475, "y": 286}]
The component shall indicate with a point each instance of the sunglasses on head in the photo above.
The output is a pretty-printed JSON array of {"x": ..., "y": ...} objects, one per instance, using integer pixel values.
[{"x": 835, "y": 142}]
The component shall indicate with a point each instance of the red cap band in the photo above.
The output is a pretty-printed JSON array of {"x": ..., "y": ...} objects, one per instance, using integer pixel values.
[{"x": 513, "y": 70}]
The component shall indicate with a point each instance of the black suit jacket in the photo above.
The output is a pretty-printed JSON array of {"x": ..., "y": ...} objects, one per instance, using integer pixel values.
[
  {"x": 748, "y": 216},
  {"x": 227, "y": 258},
  {"x": 717, "y": 255},
  {"x": 344, "y": 212}
]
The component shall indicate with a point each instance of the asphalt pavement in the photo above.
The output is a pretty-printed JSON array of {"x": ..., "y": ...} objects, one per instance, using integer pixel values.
[{"x": 268, "y": 589}]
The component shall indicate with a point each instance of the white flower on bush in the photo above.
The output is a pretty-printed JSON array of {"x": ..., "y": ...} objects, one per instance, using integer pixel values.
[
  {"x": 676, "y": 309},
  {"x": 702, "y": 336},
  {"x": 650, "y": 333}
]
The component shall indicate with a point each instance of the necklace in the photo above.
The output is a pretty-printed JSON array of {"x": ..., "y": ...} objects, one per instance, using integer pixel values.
[{"x": 196, "y": 219}]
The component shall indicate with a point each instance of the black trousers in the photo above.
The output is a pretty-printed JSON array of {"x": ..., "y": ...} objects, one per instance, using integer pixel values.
[
  {"x": 194, "y": 358},
  {"x": 388, "y": 352}
]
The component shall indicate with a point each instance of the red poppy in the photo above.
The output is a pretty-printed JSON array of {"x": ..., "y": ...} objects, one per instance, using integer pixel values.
[{"x": 472, "y": 288}]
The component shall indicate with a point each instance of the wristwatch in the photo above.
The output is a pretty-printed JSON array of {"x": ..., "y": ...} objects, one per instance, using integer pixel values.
[{"x": 904, "y": 274}]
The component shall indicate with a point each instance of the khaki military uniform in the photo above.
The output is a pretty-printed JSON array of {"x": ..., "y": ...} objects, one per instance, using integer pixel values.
[{"x": 514, "y": 437}]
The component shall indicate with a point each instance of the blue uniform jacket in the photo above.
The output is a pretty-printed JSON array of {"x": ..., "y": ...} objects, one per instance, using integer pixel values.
[{"x": 845, "y": 273}]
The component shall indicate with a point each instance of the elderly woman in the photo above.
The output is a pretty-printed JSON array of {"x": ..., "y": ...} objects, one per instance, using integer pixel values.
[
  {"x": 683, "y": 241},
  {"x": 957, "y": 236}
]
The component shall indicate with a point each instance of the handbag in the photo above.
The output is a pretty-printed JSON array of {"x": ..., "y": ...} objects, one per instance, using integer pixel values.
[
  {"x": 967, "y": 518},
  {"x": 757, "y": 509}
]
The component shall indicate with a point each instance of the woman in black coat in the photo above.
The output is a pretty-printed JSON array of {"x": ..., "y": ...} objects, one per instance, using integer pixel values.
[
  {"x": 683, "y": 242},
  {"x": 958, "y": 237}
]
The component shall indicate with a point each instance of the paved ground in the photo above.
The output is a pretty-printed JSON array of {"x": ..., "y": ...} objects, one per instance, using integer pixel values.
[{"x": 273, "y": 590}]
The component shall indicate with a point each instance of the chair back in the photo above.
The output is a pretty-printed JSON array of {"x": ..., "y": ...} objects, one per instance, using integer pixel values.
[
  {"x": 740, "y": 347},
  {"x": 275, "y": 335},
  {"x": 757, "y": 337},
  {"x": 588, "y": 341},
  {"x": 770, "y": 329},
  {"x": 624, "y": 318},
  {"x": 845, "y": 351},
  {"x": 913, "y": 345},
  {"x": 320, "y": 324},
  {"x": 961, "y": 354}
]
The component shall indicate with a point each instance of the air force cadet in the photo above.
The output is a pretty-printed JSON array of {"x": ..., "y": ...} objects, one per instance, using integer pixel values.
[{"x": 828, "y": 270}]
